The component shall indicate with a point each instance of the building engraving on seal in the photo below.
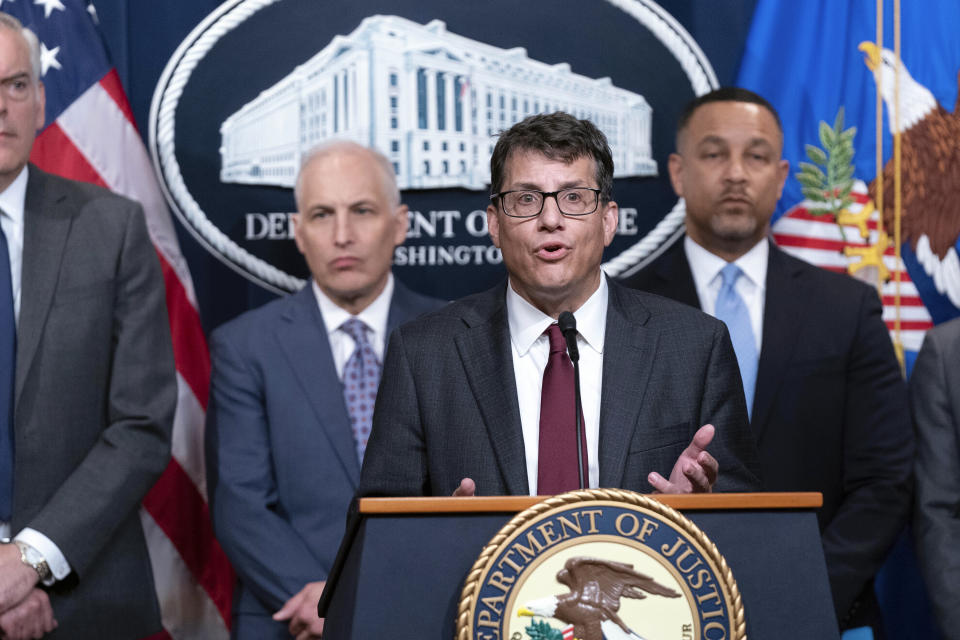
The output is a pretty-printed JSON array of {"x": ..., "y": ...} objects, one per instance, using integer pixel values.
[{"x": 430, "y": 100}]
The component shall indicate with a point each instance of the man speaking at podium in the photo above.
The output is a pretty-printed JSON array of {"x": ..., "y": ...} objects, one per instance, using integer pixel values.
[{"x": 478, "y": 397}]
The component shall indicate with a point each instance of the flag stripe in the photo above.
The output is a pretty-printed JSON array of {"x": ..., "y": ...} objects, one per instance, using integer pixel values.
[
  {"x": 802, "y": 213},
  {"x": 907, "y": 301},
  {"x": 114, "y": 88},
  {"x": 53, "y": 152},
  {"x": 911, "y": 313},
  {"x": 908, "y": 325},
  {"x": 804, "y": 227},
  {"x": 187, "y": 444},
  {"x": 180, "y": 511},
  {"x": 809, "y": 242},
  {"x": 186, "y": 610},
  {"x": 189, "y": 344}
]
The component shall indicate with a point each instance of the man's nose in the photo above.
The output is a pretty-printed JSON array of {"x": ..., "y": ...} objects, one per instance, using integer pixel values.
[
  {"x": 736, "y": 172},
  {"x": 342, "y": 229},
  {"x": 550, "y": 216}
]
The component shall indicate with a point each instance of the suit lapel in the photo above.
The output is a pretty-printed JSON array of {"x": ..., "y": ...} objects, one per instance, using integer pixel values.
[
  {"x": 628, "y": 348},
  {"x": 487, "y": 358},
  {"x": 783, "y": 306},
  {"x": 303, "y": 338},
  {"x": 46, "y": 224}
]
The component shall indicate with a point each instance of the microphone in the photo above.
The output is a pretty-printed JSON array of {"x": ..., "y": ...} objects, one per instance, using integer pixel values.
[{"x": 568, "y": 327}]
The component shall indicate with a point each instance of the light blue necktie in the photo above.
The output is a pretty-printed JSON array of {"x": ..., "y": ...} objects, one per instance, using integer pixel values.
[
  {"x": 361, "y": 376},
  {"x": 8, "y": 354},
  {"x": 734, "y": 313}
]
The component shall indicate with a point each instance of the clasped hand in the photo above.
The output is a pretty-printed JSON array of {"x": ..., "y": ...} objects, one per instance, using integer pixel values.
[{"x": 25, "y": 610}]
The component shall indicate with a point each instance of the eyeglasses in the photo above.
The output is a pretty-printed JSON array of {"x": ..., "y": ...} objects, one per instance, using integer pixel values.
[{"x": 578, "y": 201}]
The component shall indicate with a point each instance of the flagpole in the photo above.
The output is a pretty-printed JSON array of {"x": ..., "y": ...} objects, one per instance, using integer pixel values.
[
  {"x": 879, "y": 139},
  {"x": 897, "y": 190}
]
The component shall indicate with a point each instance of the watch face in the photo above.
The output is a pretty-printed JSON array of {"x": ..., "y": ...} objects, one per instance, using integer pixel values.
[{"x": 33, "y": 558}]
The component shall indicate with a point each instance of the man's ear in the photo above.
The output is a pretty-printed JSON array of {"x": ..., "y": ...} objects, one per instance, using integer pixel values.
[
  {"x": 402, "y": 222},
  {"x": 784, "y": 170},
  {"x": 296, "y": 221},
  {"x": 611, "y": 216},
  {"x": 493, "y": 225},
  {"x": 675, "y": 166},
  {"x": 42, "y": 105}
]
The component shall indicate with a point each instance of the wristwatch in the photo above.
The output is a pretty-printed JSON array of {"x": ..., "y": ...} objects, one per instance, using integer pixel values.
[{"x": 33, "y": 559}]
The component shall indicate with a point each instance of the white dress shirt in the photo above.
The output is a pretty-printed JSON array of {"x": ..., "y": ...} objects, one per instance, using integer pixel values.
[
  {"x": 374, "y": 316},
  {"x": 752, "y": 285},
  {"x": 13, "y": 203},
  {"x": 531, "y": 349}
]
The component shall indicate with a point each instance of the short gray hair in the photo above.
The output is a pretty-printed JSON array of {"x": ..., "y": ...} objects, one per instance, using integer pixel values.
[
  {"x": 330, "y": 147},
  {"x": 7, "y": 21}
]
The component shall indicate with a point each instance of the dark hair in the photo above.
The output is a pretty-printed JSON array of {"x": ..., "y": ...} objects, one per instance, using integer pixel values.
[
  {"x": 558, "y": 136},
  {"x": 725, "y": 94}
]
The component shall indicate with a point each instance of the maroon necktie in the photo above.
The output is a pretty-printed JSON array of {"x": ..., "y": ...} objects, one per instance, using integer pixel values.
[{"x": 557, "y": 461}]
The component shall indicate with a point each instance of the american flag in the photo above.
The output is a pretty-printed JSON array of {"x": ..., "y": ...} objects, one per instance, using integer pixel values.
[
  {"x": 818, "y": 240},
  {"x": 90, "y": 135}
]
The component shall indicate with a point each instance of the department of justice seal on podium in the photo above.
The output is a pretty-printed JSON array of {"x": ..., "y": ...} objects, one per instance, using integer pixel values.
[{"x": 600, "y": 564}]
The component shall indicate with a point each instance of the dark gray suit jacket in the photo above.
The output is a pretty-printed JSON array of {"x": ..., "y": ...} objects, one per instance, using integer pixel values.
[
  {"x": 447, "y": 406},
  {"x": 829, "y": 412},
  {"x": 935, "y": 399},
  {"x": 281, "y": 460},
  {"x": 94, "y": 400}
]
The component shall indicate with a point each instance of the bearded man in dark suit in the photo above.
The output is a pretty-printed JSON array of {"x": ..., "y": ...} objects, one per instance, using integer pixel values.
[
  {"x": 468, "y": 402},
  {"x": 828, "y": 402}
]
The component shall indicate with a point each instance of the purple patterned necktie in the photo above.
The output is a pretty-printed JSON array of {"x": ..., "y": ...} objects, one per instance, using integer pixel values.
[
  {"x": 557, "y": 461},
  {"x": 361, "y": 375}
]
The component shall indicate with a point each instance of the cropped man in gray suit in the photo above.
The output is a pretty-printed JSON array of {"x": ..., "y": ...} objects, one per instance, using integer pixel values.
[
  {"x": 85, "y": 420},
  {"x": 935, "y": 400},
  {"x": 467, "y": 404},
  {"x": 289, "y": 404}
]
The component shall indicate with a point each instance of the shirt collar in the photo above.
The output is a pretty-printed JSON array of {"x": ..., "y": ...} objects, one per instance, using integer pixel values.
[
  {"x": 705, "y": 266},
  {"x": 13, "y": 199},
  {"x": 527, "y": 323},
  {"x": 374, "y": 316}
]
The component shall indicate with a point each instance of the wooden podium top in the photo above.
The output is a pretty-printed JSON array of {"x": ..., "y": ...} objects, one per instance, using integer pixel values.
[{"x": 511, "y": 504}]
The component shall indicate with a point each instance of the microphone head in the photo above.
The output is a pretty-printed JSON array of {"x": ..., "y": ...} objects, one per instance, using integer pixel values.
[
  {"x": 568, "y": 327},
  {"x": 567, "y": 322}
]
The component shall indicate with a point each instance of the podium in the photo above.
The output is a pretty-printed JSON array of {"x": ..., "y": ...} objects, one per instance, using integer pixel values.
[{"x": 402, "y": 563}]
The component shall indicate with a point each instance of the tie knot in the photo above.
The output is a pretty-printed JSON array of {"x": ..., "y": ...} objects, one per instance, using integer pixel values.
[
  {"x": 557, "y": 342},
  {"x": 356, "y": 329},
  {"x": 730, "y": 273}
]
